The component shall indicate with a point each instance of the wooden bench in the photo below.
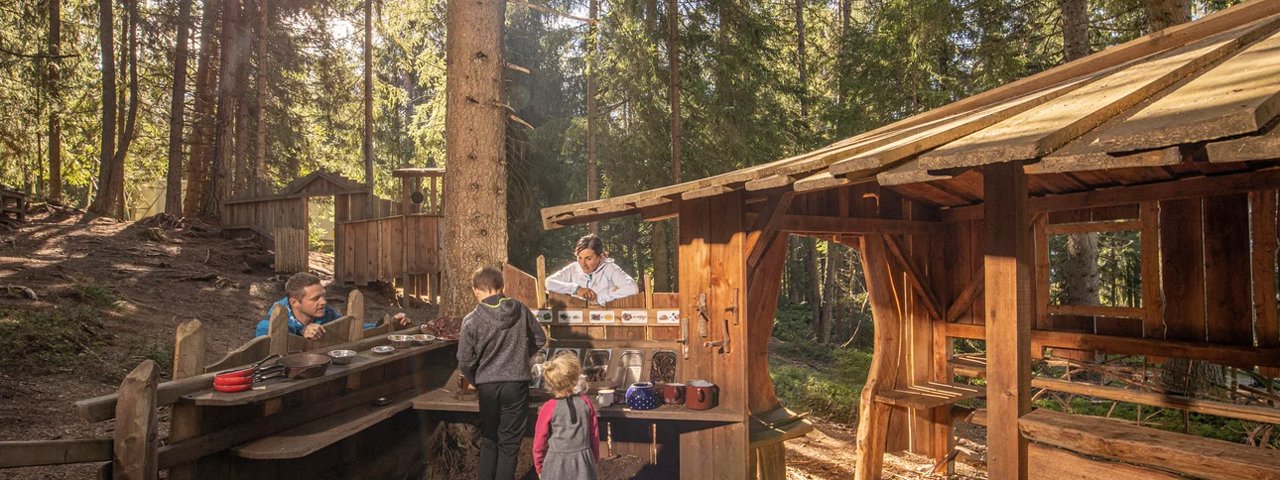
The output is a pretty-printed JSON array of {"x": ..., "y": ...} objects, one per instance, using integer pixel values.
[
  {"x": 13, "y": 204},
  {"x": 777, "y": 425},
  {"x": 311, "y": 437},
  {"x": 930, "y": 395},
  {"x": 1178, "y": 452}
]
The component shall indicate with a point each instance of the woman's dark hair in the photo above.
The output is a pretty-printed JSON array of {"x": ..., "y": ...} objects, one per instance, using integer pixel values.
[{"x": 589, "y": 241}]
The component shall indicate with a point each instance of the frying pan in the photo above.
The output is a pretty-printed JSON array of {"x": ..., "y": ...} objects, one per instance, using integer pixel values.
[
  {"x": 245, "y": 372},
  {"x": 300, "y": 366},
  {"x": 262, "y": 374}
]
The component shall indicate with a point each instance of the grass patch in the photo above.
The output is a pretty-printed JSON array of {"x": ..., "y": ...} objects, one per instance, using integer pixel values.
[
  {"x": 95, "y": 294},
  {"x": 47, "y": 341},
  {"x": 154, "y": 350},
  {"x": 832, "y": 392}
]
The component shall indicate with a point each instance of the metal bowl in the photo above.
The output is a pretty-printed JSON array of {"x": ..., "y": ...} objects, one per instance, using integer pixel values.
[
  {"x": 422, "y": 338},
  {"x": 342, "y": 357},
  {"x": 400, "y": 341},
  {"x": 383, "y": 349}
]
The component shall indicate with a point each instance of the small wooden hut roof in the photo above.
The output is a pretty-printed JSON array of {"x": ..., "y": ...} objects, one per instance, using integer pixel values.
[
  {"x": 1195, "y": 100},
  {"x": 323, "y": 182}
]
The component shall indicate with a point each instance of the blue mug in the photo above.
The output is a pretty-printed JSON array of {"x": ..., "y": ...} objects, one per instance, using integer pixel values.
[{"x": 641, "y": 396}]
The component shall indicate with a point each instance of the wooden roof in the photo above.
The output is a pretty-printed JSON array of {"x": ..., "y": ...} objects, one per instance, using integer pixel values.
[
  {"x": 1197, "y": 99},
  {"x": 337, "y": 183}
]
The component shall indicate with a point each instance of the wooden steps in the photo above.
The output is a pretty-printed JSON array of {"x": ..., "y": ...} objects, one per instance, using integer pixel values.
[
  {"x": 1182, "y": 453},
  {"x": 930, "y": 395}
]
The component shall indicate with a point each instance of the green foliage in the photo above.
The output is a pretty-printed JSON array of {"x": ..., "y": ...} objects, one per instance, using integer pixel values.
[
  {"x": 47, "y": 340},
  {"x": 832, "y": 393},
  {"x": 94, "y": 294},
  {"x": 154, "y": 350}
]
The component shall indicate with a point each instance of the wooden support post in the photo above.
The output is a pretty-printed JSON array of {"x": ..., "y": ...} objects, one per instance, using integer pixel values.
[
  {"x": 1007, "y": 262},
  {"x": 540, "y": 287},
  {"x": 188, "y": 361},
  {"x": 873, "y": 416},
  {"x": 134, "y": 454},
  {"x": 279, "y": 330},
  {"x": 355, "y": 309},
  {"x": 1262, "y": 206}
]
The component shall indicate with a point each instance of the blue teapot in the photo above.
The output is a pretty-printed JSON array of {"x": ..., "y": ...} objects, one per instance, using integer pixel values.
[{"x": 641, "y": 396}]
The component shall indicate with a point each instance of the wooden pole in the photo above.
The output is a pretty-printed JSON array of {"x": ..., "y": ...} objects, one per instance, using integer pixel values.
[
  {"x": 279, "y": 330},
  {"x": 355, "y": 309},
  {"x": 540, "y": 287},
  {"x": 873, "y": 416},
  {"x": 134, "y": 454},
  {"x": 188, "y": 361},
  {"x": 1007, "y": 263}
]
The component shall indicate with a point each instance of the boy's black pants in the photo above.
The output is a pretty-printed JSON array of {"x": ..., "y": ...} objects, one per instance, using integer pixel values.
[{"x": 504, "y": 414}]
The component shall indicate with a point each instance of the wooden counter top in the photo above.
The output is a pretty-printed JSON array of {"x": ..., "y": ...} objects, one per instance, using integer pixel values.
[
  {"x": 278, "y": 387},
  {"x": 445, "y": 400}
]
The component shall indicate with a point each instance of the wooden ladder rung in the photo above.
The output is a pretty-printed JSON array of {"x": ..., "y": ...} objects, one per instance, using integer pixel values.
[{"x": 930, "y": 395}]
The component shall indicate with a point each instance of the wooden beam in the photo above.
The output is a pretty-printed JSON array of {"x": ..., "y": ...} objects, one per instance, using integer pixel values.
[
  {"x": 1262, "y": 210},
  {"x": 966, "y": 297},
  {"x": 1097, "y": 311},
  {"x": 822, "y": 225},
  {"x": 766, "y": 228},
  {"x": 1258, "y": 147},
  {"x": 914, "y": 277},
  {"x": 134, "y": 453},
  {"x": 54, "y": 452},
  {"x": 820, "y": 181},
  {"x": 709, "y": 191},
  {"x": 1083, "y": 155},
  {"x": 1092, "y": 227},
  {"x": 1225, "y": 354},
  {"x": 1152, "y": 294},
  {"x": 1163, "y": 400},
  {"x": 1194, "y": 187},
  {"x": 1179, "y": 452},
  {"x": 1007, "y": 267},
  {"x": 770, "y": 182}
]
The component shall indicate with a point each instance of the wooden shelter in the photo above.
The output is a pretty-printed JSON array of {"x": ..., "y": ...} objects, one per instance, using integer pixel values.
[
  {"x": 1173, "y": 135},
  {"x": 375, "y": 239}
]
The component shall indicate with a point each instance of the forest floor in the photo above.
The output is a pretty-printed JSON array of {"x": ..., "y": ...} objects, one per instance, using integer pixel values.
[{"x": 110, "y": 294}]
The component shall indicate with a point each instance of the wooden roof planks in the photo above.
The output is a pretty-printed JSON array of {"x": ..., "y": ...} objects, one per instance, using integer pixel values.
[
  {"x": 1238, "y": 96},
  {"x": 1043, "y": 130}
]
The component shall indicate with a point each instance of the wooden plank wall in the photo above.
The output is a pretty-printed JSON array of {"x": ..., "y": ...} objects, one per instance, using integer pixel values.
[
  {"x": 291, "y": 249},
  {"x": 1209, "y": 267},
  {"x": 388, "y": 248}
]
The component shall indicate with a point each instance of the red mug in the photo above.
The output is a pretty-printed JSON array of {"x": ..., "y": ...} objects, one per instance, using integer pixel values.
[
  {"x": 673, "y": 393},
  {"x": 702, "y": 395}
]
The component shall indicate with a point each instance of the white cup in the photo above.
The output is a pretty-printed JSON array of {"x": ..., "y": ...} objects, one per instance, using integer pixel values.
[{"x": 604, "y": 397}]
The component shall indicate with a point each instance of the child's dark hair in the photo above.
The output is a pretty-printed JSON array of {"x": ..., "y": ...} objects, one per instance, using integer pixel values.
[
  {"x": 589, "y": 241},
  {"x": 487, "y": 278}
]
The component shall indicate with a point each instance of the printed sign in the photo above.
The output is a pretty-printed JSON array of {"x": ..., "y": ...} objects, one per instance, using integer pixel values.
[
  {"x": 635, "y": 317},
  {"x": 570, "y": 316},
  {"x": 668, "y": 317},
  {"x": 543, "y": 316},
  {"x": 606, "y": 317}
]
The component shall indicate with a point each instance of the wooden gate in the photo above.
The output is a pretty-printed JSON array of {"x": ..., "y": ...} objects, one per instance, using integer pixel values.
[{"x": 291, "y": 249}]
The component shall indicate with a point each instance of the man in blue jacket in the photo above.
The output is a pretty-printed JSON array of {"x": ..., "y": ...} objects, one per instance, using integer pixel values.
[{"x": 308, "y": 310}]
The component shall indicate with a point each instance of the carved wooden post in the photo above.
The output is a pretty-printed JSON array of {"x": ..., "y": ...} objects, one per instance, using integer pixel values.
[
  {"x": 188, "y": 361},
  {"x": 355, "y": 308},
  {"x": 540, "y": 288},
  {"x": 279, "y": 330},
  {"x": 134, "y": 454}
]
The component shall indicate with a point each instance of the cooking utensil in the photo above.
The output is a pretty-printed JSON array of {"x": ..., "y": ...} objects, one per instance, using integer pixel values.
[
  {"x": 342, "y": 357},
  {"x": 246, "y": 372},
  {"x": 299, "y": 366}
]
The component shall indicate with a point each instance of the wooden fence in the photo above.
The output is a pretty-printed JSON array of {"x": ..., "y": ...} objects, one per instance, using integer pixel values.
[{"x": 384, "y": 249}]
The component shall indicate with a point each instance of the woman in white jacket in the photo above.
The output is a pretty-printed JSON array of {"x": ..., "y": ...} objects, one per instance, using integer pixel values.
[{"x": 594, "y": 277}]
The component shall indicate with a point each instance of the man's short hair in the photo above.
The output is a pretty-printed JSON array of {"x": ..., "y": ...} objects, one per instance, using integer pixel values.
[
  {"x": 487, "y": 279},
  {"x": 297, "y": 285},
  {"x": 591, "y": 241}
]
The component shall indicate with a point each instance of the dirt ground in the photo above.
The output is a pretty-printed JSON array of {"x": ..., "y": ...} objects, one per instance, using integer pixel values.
[{"x": 165, "y": 271}]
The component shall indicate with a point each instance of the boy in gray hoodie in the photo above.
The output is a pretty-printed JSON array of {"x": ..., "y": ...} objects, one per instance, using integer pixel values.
[{"x": 494, "y": 347}]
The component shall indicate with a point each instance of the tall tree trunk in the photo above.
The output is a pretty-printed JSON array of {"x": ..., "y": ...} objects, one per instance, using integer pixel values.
[
  {"x": 173, "y": 178},
  {"x": 1162, "y": 14},
  {"x": 104, "y": 202},
  {"x": 832, "y": 274},
  {"x": 593, "y": 187},
  {"x": 800, "y": 69},
  {"x": 367, "y": 143},
  {"x": 55, "y": 105},
  {"x": 673, "y": 82},
  {"x": 222, "y": 163},
  {"x": 197, "y": 168},
  {"x": 475, "y": 207},
  {"x": 1075, "y": 28},
  {"x": 661, "y": 259},
  {"x": 260, "y": 155},
  {"x": 240, "y": 150}
]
